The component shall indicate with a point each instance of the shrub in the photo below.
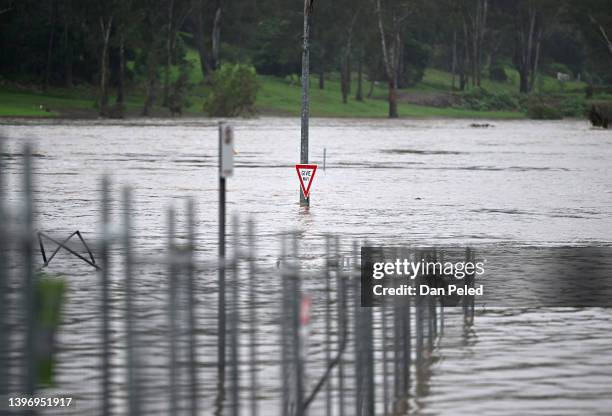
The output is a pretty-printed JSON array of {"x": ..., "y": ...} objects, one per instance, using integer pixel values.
[
  {"x": 600, "y": 113},
  {"x": 572, "y": 107},
  {"x": 234, "y": 91},
  {"x": 482, "y": 100},
  {"x": 498, "y": 73},
  {"x": 543, "y": 111}
]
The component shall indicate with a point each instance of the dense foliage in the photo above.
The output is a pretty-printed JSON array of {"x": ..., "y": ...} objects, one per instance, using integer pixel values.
[
  {"x": 139, "y": 46},
  {"x": 234, "y": 89}
]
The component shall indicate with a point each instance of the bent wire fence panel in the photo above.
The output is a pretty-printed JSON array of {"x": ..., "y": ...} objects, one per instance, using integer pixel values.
[{"x": 330, "y": 355}]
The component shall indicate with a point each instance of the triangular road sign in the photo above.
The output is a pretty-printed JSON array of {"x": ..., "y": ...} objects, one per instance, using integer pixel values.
[{"x": 306, "y": 175}]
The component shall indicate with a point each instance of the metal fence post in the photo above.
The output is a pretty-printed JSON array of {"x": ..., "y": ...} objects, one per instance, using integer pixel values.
[
  {"x": 234, "y": 325},
  {"x": 342, "y": 323},
  {"x": 285, "y": 336},
  {"x": 105, "y": 306},
  {"x": 172, "y": 311},
  {"x": 295, "y": 322},
  {"x": 191, "y": 306},
  {"x": 383, "y": 323},
  {"x": 221, "y": 332},
  {"x": 4, "y": 307},
  {"x": 253, "y": 317},
  {"x": 328, "y": 384},
  {"x": 29, "y": 278},
  {"x": 133, "y": 387}
]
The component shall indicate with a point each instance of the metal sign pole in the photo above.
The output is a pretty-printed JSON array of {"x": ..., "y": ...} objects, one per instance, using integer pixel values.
[
  {"x": 226, "y": 169},
  {"x": 221, "y": 308},
  {"x": 305, "y": 200}
]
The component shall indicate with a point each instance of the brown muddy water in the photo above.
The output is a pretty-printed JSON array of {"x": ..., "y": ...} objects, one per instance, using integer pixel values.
[{"x": 418, "y": 182}]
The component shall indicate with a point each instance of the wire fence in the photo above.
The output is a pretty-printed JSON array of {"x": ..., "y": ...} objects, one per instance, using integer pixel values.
[{"x": 334, "y": 357}]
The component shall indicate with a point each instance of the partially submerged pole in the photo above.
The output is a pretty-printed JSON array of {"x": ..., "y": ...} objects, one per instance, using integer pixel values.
[
  {"x": 4, "y": 330},
  {"x": 308, "y": 5},
  {"x": 105, "y": 284}
]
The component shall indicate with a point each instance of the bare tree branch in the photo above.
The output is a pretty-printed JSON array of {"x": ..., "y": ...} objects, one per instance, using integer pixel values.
[{"x": 603, "y": 33}]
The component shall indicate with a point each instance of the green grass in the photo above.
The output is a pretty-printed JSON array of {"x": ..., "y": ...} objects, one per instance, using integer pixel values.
[{"x": 281, "y": 96}]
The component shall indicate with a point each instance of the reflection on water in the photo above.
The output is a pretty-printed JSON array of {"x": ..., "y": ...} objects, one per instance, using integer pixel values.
[{"x": 388, "y": 182}]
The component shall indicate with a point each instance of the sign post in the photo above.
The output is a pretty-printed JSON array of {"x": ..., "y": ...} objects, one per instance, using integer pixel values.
[
  {"x": 304, "y": 200},
  {"x": 226, "y": 169}
]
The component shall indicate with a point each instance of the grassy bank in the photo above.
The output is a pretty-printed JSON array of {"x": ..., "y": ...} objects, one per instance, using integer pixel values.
[
  {"x": 282, "y": 97},
  {"x": 276, "y": 96}
]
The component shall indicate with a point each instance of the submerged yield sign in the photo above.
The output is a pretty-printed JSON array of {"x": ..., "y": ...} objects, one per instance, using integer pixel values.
[{"x": 306, "y": 175}]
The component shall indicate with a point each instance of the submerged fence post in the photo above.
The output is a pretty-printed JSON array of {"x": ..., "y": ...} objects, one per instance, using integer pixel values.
[
  {"x": 383, "y": 324},
  {"x": 105, "y": 306},
  {"x": 133, "y": 387},
  {"x": 172, "y": 312},
  {"x": 295, "y": 322},
  {"x": 29, "y": 278},
  {"x": 284, "y": 329},
  {"x": 234, "y": 325},
  {"x": 253, "y": 317},
  {"x": 4, "y": 307},
  {"x": 328, "y": 383},
  {"x": 324, "y": 158},
  {"x": 221, "y": 297},
  {"x": 191, "y": 307},
  {"x": 342, "y": 323}
]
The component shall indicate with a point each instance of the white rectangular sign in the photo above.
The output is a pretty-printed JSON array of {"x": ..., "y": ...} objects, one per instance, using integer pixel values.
[{"x": 226, "y": 168}]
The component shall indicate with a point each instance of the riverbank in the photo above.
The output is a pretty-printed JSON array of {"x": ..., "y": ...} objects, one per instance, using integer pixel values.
[
  {"x": 276, "y": 98},
  {"x": 433, "y": 97}
]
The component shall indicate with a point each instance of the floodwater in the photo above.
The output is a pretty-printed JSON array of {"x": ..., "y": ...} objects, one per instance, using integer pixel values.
[{"x": 418, "y": 182}]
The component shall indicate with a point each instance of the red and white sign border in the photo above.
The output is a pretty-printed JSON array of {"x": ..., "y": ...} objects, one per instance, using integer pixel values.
[{"x": 306, "y": 191}]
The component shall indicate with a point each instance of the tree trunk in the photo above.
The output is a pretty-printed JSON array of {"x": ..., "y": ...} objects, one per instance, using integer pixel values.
[
  {"x": 359, "y": 94},
  {"x": 321, "y": 79},
  {"x": 390, "y": 58},
  {"x": 68, "y": 59},
  {"x": 525, "y": 50},
  {"x": 168, "y": 53},
  {"x": 371, "y": 91},
  {"x": 106, "y": 31},
  {"x": 524, "y": 81},
  {"x": 454, "y": 60},
  {"x": 393, "y": 99},
  {"x": 216, "y": 36},
  {"x": 150, "y": 84},
  {"x": 50, "y": 45},
  {"x": 536, "y": 60},
  {"x": 343, "y": 83},
  {"x": 205, "y": 65},
  {"x": 345, "y": 70},
  {"x": 464, "y": 78},
  {"x": 349, "y": 71},
  {"x": 482, "y": 29},
  {"x": 603, "y": 33},
  {"x": 121, "y": 77},
  {"x": 475, "y": 22}
]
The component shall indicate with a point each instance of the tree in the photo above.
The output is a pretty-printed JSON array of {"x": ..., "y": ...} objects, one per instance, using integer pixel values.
[
  {"x": 529, "y": 18},
  {"x": 390, "y": 41},
  {"x": 178, "y": 10},
  {"x": 106, "y": 25},
  {"x": 593, "y": 20},
  {"x": 209, "y": 57},
  {"x": 475, "y": 21},
  {"x": 345, "y": 60}
]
